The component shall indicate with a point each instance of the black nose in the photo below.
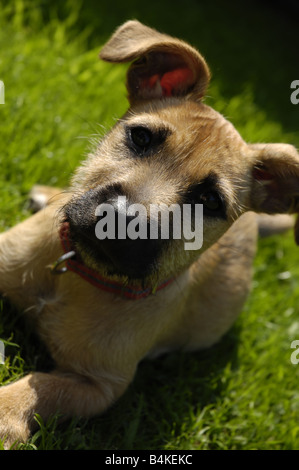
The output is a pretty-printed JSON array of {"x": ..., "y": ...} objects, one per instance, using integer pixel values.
[
  {"x": 120, "y": 241},
  {"x": 125, "y": 240}
]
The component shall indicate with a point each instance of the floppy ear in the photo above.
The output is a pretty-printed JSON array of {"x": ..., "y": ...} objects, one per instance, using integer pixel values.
[
  {"x": 275, "y": 180},
  {"x": 162, "y": 67}
]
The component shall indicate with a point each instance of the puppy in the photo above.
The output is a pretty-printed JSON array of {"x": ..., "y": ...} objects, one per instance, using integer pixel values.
[{"x": 106, "y": 304}]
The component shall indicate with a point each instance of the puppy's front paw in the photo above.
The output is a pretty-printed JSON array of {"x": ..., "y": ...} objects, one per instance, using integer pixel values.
[
  {"x": 13, "y": 434},
  {"x": 14, "y": 419},
  {"x": 41, "y": 196}
]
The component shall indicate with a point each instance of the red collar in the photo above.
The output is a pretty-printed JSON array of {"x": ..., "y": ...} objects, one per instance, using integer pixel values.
[{"x": 93, "y": 277}]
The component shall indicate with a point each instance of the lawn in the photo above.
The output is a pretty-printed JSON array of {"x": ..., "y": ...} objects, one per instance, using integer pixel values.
[{"x": 243, "y": 393}]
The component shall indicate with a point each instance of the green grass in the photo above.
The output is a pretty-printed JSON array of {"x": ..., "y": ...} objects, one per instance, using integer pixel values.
[{"x": 243, "y": 393}]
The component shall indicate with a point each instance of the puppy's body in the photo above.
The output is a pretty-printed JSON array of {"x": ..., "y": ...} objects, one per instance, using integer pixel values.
[
  {"x": 163, "y": 321},
  {"x": 188, "y": 153},
  {"x": 98, "y": 344}
]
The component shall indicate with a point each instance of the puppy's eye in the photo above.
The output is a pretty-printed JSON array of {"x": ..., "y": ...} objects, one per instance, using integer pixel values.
[
  {"x": 211, "y": 201},
  {"x": 141, "y": 138}
]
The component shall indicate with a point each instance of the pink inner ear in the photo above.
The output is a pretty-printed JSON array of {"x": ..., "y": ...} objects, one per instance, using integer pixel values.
[
  {"x": 170, "y": 82},
  {"x": 176, "y": 79}
]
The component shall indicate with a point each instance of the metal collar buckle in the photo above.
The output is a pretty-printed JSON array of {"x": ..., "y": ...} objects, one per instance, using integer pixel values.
[{"x": 62, "y": 259}]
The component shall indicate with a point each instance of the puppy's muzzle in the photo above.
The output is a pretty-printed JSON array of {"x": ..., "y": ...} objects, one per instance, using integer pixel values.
[{"x": 100, "y": 227}]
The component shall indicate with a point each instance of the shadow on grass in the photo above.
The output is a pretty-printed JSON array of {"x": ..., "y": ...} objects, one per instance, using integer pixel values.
[{"x": 24, "y": 346}]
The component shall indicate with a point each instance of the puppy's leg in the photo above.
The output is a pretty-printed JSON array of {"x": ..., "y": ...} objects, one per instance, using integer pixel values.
[
  {"x": 274, "y": 224},
  {"x": 46, "y": 394},
  {"x": 221, "y": 282},
  {"x": 41, "y": 196}
]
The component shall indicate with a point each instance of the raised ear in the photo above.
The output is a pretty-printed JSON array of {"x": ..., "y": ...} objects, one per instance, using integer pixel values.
[
  {"x": 163, "y": 66},
  {"x": 275, "y": 180}
]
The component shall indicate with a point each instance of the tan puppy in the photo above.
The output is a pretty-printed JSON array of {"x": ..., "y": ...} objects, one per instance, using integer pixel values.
[{"x": 122, "y": 300}]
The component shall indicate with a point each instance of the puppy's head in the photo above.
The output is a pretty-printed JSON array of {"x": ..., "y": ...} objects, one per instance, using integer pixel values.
[{"x": 169, "y": 152}]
